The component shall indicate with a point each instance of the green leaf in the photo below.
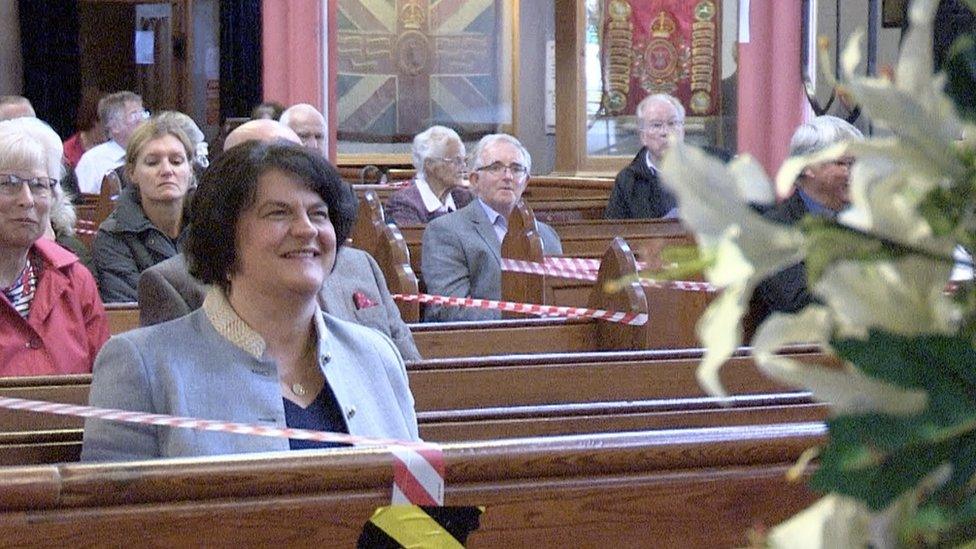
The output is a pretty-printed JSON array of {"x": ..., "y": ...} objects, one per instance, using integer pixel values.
[
  {"x": 960, "y": 69},
  {"x": 875, "y": 458},
  {"x": 828, "y": 242},
  {"x": 941, "y": 365}
]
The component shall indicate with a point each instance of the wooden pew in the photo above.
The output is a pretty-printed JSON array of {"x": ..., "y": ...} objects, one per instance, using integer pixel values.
[
  {"x": 122, "y": 317},
  {"x": 494, "y": 397},
  {"x": 678, "y": 488}
]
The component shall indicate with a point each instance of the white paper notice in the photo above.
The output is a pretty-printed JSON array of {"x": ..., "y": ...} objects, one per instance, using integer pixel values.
[
  {"x": 145, "y": 47},
  {"x": 744, "y": 21}
]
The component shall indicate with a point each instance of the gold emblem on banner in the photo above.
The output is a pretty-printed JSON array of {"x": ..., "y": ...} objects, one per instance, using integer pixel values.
[
  {"x": 413, "y": 52},
  {"x": 661, "y": 62},
  {"x": 619, "y": 34},
  {"x": 703, "y": 62},
  {"x": 412, "y": 16}
]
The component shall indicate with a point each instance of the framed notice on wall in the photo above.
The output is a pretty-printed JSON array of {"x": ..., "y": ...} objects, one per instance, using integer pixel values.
[{"x": 404, "y": 65}]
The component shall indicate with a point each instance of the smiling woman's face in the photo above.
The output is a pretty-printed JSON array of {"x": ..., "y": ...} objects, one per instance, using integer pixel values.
[
  {"x": 23, "y": 215},
  {"x": 285, "y": 239},
  {"x": 162, "y": 171}
]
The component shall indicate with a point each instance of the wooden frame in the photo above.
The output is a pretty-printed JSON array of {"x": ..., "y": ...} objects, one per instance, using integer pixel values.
[
  {"x": 893, "y": 13},
  {"x": 182, "y": 28},
  {"x": 571, "y": 153},
  {"x": 508, "y": 87}
]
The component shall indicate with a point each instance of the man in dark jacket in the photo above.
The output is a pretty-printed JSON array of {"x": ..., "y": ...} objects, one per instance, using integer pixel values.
[
  {"x": 821, "y": 189},
  {"x": 638, "y": 192}
]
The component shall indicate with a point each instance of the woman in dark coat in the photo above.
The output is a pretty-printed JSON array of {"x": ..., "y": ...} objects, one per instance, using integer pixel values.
[{"x": 148, "y": 223}]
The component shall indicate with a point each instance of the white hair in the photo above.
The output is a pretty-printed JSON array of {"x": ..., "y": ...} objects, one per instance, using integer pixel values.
[
  {"x": 29, "y": 143},
  {"x": 300, "y": 108},
  {"x": 432, "y": 142},
  {"x": 661, "y": 98},
  {"x": 820, "y": 133},
  {"x": 490, "y": 140}
]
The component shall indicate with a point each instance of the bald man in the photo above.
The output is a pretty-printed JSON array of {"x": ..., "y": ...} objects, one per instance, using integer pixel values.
[
  {"x": 308, "y": 123},
  {"x": 15, "y": 106},
  {"x": 260, "y": 130},
  {"x": 355, "y": 290}
]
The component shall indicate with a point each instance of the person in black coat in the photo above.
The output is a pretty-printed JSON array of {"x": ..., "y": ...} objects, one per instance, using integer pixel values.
[
  {"x": 638, "y": 192},
  {"x": 821, "y": 189}
]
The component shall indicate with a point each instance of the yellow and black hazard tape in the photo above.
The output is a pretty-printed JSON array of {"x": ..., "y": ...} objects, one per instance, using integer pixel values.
[{"x": 420, "y": 526}]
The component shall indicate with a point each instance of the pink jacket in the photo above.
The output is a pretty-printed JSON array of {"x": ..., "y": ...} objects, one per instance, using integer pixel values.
[{"x": 66, "y": 326}]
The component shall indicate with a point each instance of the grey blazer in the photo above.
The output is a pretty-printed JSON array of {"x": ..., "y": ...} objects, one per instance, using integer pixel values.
[
  {"x": 167, "y": 291},
  {"x": 461, "y": 257},
  {"x": 186, "y": 368}
]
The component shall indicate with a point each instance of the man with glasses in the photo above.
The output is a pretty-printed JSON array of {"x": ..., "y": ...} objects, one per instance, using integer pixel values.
[
  {"x": 437, "y": 189},
  {"x": 638, "y": 193},
  {"x": 461, "y": 253},
  {"x": 121, "y": 112}
]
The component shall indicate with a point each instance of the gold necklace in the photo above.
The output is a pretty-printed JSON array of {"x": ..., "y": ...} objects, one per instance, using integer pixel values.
[{"x": 298, "y": 389}]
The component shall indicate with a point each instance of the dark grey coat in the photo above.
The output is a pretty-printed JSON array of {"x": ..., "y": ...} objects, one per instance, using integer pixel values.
[{"x": 126, "y": 244}]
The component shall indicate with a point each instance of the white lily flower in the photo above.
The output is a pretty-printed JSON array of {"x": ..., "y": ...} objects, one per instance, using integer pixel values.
[
  {"x": 903, "y": 297},
  {"x": 834, "y": 521},
  {"x": 746, "y": 247},
  {"x": 846, "y": 389}
]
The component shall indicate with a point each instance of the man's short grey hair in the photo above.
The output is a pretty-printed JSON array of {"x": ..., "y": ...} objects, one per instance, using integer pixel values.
[
  {"x": 15, "y": 100},
  {"x": 295, "y": 109},
  {"x": 432, "y": 143},
  {"x": 661, "y": 98},
  {"x": 28, "y": 143},
  {"x": 491, "y": 139},
  {"x": 820, "y": 133},
  {"x": 112, "y": 106}
]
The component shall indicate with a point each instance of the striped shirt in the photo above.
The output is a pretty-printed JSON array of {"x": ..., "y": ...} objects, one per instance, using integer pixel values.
[{"x": 21, "y": 292}]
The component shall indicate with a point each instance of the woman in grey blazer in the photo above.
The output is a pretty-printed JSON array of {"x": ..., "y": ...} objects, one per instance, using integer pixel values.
[{"x": 268, "y": 219}]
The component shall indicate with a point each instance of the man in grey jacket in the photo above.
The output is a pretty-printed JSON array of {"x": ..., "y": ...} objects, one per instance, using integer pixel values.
[
  {"x": 461, "y": 252},
  {"x": 356, "y": 290}
]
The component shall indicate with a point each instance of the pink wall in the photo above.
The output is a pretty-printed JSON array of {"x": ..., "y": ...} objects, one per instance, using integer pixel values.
[
  {"x": 292, "y": 56},
  {"x": 771, "y": 103}
]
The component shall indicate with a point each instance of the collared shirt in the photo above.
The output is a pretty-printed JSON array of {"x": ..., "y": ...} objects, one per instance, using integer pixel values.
[
  {"x": 231, "y": 326},
  {"x": 815, "y": 207},
  {"x": 498, "y": 221},
  {"x": 650, "y": 164},
  {"x": 431, "y": 202},
  {"x": 97, "y": 162}
]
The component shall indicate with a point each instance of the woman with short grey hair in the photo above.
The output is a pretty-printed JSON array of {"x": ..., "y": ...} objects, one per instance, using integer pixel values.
[
  {"x": 51, "y": 319},
  {"x": 438, "y": 187}
]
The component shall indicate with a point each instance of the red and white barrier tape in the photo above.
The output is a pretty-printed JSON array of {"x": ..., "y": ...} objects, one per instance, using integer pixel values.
[
  {"x": 572, "y": 263},
  {"x": 531, "y": 267},
  {"x": 631, "y": 319},
  {"x": 418, "y": 467}
]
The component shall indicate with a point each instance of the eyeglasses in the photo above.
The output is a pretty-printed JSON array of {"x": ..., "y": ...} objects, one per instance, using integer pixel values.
[
  {"x": 658, "y": 126},
  {"x": 10, "y": 185},
  {"x": 497, "y": 168},
  {"x": 136, "y": 116}
]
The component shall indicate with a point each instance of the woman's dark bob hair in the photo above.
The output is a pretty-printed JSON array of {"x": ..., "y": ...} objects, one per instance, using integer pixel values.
[{"x": 229, "y": 187}]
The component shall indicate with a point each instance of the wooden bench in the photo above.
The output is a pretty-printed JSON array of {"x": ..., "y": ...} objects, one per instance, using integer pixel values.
[
  {"x": 676, "y": 488},
  {"x": 494, "y": 397}
]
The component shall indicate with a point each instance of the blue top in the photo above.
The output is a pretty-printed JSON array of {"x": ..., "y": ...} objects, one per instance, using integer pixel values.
[
  {"x": 323, "y": 414},
  {"x": 815, "y": 207}
]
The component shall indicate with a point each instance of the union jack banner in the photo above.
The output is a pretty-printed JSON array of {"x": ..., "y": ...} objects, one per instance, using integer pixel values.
[{"x": 404, "y": 65}]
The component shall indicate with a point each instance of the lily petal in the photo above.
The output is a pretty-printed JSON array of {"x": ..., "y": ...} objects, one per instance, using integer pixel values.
[{"x": 846, "y": 390}]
